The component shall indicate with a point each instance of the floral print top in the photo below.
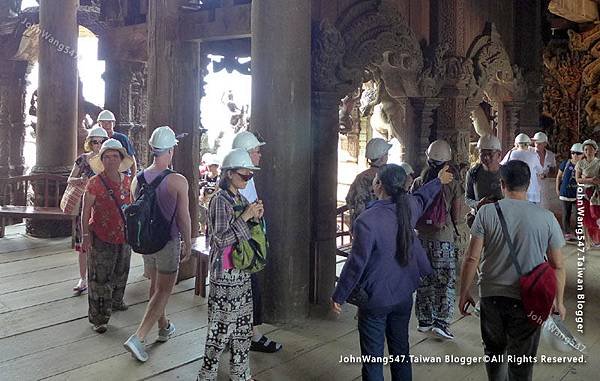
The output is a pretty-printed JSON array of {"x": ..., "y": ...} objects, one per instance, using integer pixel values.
[{"x": 106, "y": 220}]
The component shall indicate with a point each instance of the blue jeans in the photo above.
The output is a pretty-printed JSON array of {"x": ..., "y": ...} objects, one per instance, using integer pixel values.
[
  {"x": 505, "y": 330},
  {"x": 373, "y": 329}
]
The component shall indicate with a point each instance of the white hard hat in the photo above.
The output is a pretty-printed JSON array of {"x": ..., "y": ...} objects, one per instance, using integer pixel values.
[
  {"x": 376, "y": 148},
  {"x": 439, "y": 150},
  {"x": 163, "y": 138},
  {"x": 540, "y": 137},
  {"x": 106, "y": 115},
  {"x": 489, "y": 142},
  {"x": 246, "y": 140},
  {"x": 111, "y": 144},
  {"x": 577, "y": 147},
  {"x": 407, "y": 168},
  {"x": 97, "y": 132},
  {"x": 210, "y": 159},
  {"x": 590, "y": 142},
  {"x": 238, "y": 158},
  {"x": 522, "y": 139}
]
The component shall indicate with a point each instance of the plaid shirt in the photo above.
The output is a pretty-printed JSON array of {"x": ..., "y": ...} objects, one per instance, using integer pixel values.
[{"x": 224, "y": 229}]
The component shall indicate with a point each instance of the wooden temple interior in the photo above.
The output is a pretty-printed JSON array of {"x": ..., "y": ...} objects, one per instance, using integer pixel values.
[{"x": 322, "y": 71}]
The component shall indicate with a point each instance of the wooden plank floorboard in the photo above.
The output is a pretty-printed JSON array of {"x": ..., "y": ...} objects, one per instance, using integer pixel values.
[
  {"x": 93, "y": 350},
  {"x": 78, "y": 329},
  {"x": 23, "y": 267},
  {"x": 20, "y": 282},
  {"x": 52, "y": 313},
  {"x": 22, "y": 255}
]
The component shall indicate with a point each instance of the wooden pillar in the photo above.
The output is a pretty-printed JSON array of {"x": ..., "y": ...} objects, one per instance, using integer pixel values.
[
  {"x": 510, "y": 113},
  {"x": 5, "y": 93},
  {"x": 325, "y": 125},
  {"x": 281, "y": 114},
  {"x": 17, "y": 117},
  {"x": 174, "y": 92},
  {"x": 126, "y": 96},
  {"x": 56, "y": 131},
  {"x": 424, "y": 109},
  {"x": 57, "y": 103}
]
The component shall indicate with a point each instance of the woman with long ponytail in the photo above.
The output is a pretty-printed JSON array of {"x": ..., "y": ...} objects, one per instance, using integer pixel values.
[{"x": 385, "y": 267}]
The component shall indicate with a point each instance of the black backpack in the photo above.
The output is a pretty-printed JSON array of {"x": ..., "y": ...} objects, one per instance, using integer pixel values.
[{"x": 147, "y": 230}]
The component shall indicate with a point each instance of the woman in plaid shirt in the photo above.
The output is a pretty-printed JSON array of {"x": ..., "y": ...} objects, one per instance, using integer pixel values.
[{"x": 230, "y": 298}]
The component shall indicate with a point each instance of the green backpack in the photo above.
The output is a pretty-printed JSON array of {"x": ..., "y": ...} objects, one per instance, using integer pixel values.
[{"x": 251, "y": 255}]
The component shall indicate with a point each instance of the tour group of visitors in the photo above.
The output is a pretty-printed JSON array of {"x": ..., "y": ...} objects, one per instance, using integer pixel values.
[
  {"x": 109, "y": 174},
  {"x": 405, "y": 236}
]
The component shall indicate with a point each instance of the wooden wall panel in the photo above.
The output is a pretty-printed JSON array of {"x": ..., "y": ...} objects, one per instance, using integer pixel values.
[{"x": 478, "y": 12}]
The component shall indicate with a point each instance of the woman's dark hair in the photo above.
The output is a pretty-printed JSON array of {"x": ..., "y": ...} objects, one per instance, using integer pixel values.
[
  {"x": 224, "y": 180},
  {"x": 393, "y": 178}
]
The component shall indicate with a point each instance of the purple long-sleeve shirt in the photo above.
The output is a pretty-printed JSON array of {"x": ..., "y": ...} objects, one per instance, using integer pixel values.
[{"x": 372, "y": 262}]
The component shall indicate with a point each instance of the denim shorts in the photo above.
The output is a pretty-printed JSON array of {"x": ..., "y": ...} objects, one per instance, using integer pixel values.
[{"x": 166, "y": 260}]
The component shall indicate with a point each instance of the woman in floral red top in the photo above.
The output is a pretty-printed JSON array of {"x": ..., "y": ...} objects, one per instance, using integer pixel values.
[{"x": 103, "y": 232}]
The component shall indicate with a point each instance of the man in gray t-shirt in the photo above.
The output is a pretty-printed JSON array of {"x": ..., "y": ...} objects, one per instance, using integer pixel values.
[{"x": 505, "y": 327}]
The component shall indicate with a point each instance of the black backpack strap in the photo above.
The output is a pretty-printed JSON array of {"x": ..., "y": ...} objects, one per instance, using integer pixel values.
[{"x": 511, "y": 247}]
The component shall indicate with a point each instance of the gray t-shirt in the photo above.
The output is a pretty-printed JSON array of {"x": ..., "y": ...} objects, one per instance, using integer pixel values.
[{"x": 532, "y": 229}]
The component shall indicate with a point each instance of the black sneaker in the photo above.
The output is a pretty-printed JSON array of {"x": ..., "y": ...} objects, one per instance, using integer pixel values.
[
  {"x": 120, "y": 306},
  {"x": 424, "y": 327},
  {"x": 442, "y": 332},
  {"x": 100, "y": 328}
]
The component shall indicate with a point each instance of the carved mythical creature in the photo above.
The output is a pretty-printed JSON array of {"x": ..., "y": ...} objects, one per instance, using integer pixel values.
[
  {"x": 592, "y": 108},
  {"x": 480, "y": 122},
  {"x": 346, "y": 107}
]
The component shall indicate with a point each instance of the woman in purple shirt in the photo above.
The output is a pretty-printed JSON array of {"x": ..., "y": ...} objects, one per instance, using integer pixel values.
[{"x": 385, "y": 266}]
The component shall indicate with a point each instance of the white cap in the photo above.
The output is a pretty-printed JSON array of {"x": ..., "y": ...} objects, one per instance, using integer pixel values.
[
  {"x": 577, "y": 147},
  {"x": 111, "y": 144},
  {"x": 489, "y": 142},
  {"x": 210, "y": 159},
  {"x": 407, "y": 168},
  {"x": 246, "y": 140},
  {"x": 376, "y": 148},
  {"x": 439, "y": 150},
  {"x": 106, "y": 115},
  {"x": 590, "y": 142},
  {"x": 238, "y": 158},
  {"x": 97, "y": 132},
  {"x": 540, "y": 137},
  {"x": 522, "y": 139},
  {"x": 163, "y": 138}
]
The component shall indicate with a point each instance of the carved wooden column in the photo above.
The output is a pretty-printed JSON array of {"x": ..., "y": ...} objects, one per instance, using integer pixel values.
[
  {"x": 4, "y": 125},
  {"x": 125, "y": 96},
  {"x": 324, "y": 194},
  {"x": 510, "y": 127},
  {"x": 424, "y": 109},
  {"x": 173, "y": 92},
  {"x": 17, "y": 117},
  {"x": 281, "y": 114}
]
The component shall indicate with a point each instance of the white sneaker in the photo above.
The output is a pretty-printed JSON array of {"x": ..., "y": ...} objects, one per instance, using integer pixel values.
[{"x": 165, "y": 333}]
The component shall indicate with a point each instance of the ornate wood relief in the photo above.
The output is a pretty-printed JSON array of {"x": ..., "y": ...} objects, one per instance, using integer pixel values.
[{"x": 571, "y": 96}]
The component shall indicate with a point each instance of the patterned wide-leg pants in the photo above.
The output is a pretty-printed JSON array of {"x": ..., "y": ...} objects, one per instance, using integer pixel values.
[
  {"x": 436, "y": 297},
  {"x": 229, "y": 322},
  {"x": 108, "y": 270}
]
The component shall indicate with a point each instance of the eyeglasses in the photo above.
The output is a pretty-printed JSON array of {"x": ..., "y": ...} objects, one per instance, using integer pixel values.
[
  {"x": 577, "y": 153},
  {"x": 96, "y": 141},
  {"x": 245, "y": 177}
]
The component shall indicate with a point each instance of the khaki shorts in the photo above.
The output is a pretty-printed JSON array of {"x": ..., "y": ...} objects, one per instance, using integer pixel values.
[{"x": 165, "y": 261}]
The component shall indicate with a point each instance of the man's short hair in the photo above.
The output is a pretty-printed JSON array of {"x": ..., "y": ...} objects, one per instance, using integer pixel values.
[{"x": 515, "y": 175}]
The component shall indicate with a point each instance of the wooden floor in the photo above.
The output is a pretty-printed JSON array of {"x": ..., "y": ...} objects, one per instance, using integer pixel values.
[{"x": 44, "y": 332}]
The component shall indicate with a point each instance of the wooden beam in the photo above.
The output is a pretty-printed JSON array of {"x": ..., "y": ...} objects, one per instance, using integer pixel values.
[
  {"x": 125, "y": 43},
  {"x": 215, "y": 24}
]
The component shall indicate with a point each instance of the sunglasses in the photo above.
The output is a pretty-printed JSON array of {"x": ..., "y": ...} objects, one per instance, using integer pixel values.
[
  {"x": 96, "y": 141},
  {"x": 577, "y": 153},
  {"x": 245, "y": 177}
]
